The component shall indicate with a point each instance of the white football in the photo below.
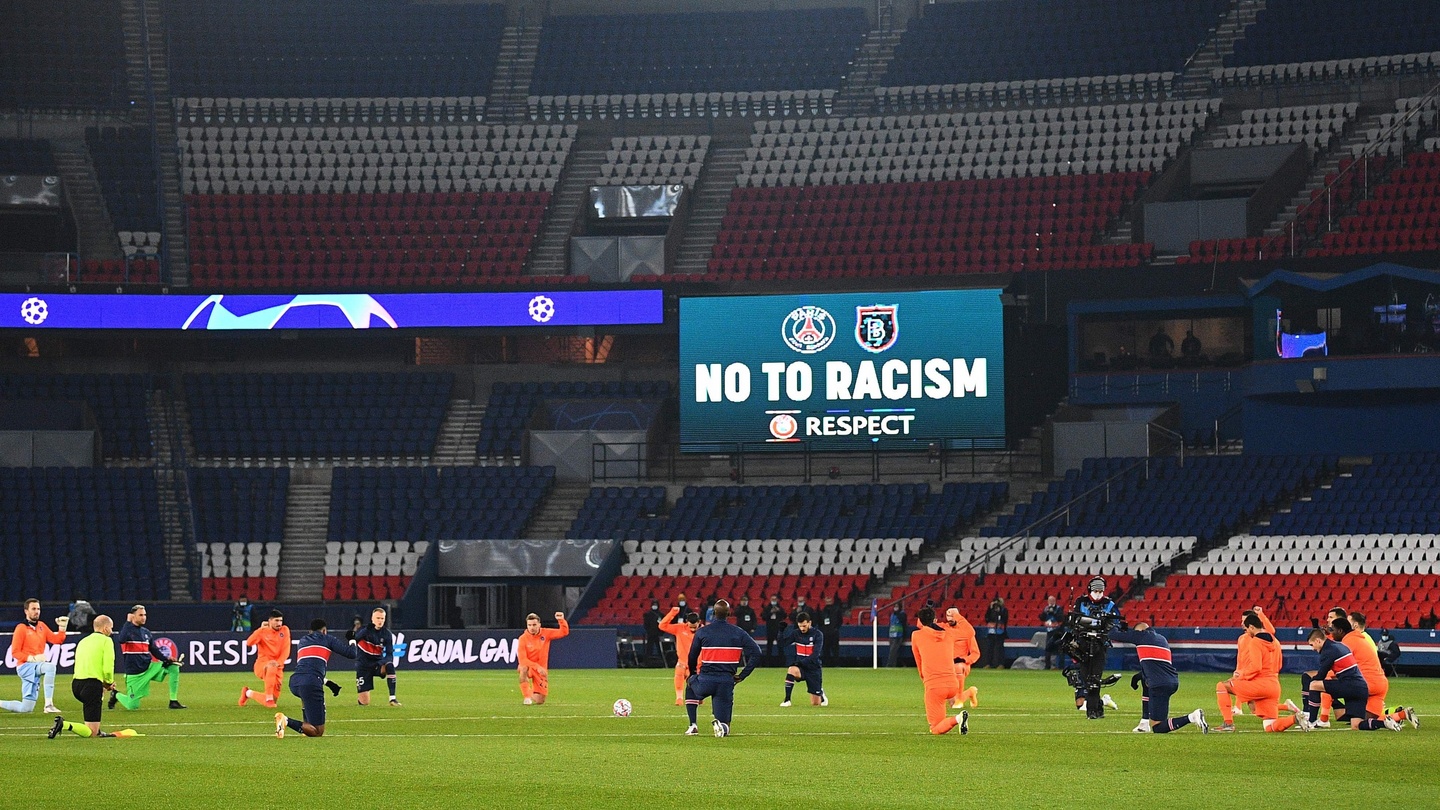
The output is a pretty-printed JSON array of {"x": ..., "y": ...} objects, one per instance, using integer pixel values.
[{"x": 621, "y": 708}]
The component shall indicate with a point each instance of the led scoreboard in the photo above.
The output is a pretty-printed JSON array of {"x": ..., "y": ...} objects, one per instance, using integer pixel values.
[{"x": 842, "y": 371}]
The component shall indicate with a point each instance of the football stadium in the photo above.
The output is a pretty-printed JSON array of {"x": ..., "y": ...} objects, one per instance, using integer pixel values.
[{"x": 973, "y": 402}]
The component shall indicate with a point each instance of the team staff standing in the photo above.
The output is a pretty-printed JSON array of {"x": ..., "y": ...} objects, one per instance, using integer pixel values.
[{"x": 774, "y": 617}]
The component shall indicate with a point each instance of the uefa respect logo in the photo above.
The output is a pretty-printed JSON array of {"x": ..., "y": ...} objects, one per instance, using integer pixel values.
[{"x": 808, "y": 329}]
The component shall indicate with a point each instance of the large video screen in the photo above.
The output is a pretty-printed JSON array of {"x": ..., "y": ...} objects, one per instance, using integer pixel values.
[
  {"x": 843, "y": 371},
  {"x": 330, "y": 310}
]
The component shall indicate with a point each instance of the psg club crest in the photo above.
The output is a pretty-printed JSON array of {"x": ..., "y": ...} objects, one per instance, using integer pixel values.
[
  {"x": 808, "y": 329},
  {"x": 877, "y": 327}
]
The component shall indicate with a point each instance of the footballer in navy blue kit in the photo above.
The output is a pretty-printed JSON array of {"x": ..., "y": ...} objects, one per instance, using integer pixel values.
[
  {"x": 307, "y": 680},
  {"x": 1160, "y": 679},
  {"x": 374, "y": 658},
  {"x": 802, "y": 645},
  {"x": 721, "y": 655},
  {"x": 1339, "y": 677}
]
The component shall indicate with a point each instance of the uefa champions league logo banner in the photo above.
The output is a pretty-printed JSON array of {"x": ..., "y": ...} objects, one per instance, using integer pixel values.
[
  {"x": 584, "y": 648},
  {"x": 842, "y": 371},
  {"x": 330, "y": 310}
]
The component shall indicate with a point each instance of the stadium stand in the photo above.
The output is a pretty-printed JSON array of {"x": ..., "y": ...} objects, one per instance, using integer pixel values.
[
  {"x": 367, "y": 570},
  {"x": 1400, "y": 217},
  {"x": 62, "y": 56},
  {"x": 69, "y": 531},
  {"x": 1013, "y": 40},
  {"x": 1205, "y": 498},
  {"x": 124, "y": 160},
  {"x": 1314, "y": 125},
  {"x": 1393, "y": 494},
  {"x": 1211, "y": 600},
  {"x": 27, "y": 156},
  {"x": 1024, "y": 594},
  {"x": 511, "y": 405},
  {"x": 359, "y": 415},
  {"x": 373, "y": 509},
  {"x": 741, "y": 539},
  {"x": 239, "y": 518},
  {"x": 1309, "y": 31},
  {"x": 343, "y": 205},
  {"x": 651, "y": 160},
  {"x": 117, "y": 402},
  {"x": 711, "y": 64},
  {"x": 256, "y": 49}
]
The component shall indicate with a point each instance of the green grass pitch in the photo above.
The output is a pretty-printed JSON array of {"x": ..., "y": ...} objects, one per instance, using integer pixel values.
[{"x": 463, "y": 739}]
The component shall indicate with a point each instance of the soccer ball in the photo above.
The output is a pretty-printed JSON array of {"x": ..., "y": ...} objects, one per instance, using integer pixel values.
[{"x": 621, "y": 708}]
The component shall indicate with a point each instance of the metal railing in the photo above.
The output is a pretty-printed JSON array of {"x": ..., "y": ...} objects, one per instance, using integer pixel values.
[
  {"x": 644, "y": 461},
  {"x": 1287, "y": 237},
  {"x": 1234, "y": 411},
  {"x": 180, "y": 483}
]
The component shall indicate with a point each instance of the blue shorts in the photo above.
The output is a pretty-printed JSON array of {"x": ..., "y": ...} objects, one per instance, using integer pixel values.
[
  {"x": 311, "y": 691},
  {"x": 812, "y": 675},
  {"x": 365, "y": 674}
]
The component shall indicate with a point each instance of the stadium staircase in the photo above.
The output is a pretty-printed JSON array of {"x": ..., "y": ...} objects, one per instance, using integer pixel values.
[
  {"x": 94, "y": 229},
  {"x": 867, "y": 72},
  {"x": 510, "y": 88},
  {"x": 1021, "y": 488},
  {"x": 302, "y": 553},
  {"x": 172, "y": 495},
  {"x": 1195, "y": 80},
  {"x": 1365, "y": 123},
  {"x": 551, "y": 254},
  {"x": 717, "y": 180},
  {"x": 557, "y": 512},
  {"x": 147, "y": 67},
  {"x": 459, "y": 433}
]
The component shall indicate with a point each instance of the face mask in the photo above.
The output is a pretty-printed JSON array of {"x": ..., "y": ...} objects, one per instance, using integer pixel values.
[{"x": 1097, "y": 595}]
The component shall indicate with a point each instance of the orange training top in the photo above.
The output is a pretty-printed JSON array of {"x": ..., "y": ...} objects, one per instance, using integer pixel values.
[
  {"x": 30, "y": 641},
  {"x": 963, "y": 634},
  {"x": 934, "y": 655},
  {"x": 270, "y": 645},
  {"x": 682, "y": 633},
  {"x": 1368, "y": 659},
  {"x": 534, "y": 649}
]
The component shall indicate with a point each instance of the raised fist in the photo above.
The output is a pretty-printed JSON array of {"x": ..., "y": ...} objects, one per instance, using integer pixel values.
[
  {"x": 559, "y": 617},
  {"x": 62, "y": 622}
]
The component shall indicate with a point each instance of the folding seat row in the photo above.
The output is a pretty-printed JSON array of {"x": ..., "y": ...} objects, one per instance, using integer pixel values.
[
  {"x": 1388, "y": 600},
  {"x": 64, "y": 56},
  {"x": 434, "y": 503},
  {"x": 376, "y": 50},
  {"x": 205, "y": 110},
  {"x": 1325, "y": 39},
  {"x": 117, "y": 402},
  {"x": 89, "y": 531},
  {"x": 728, "y": 104},
  {"x": 1067, "y": 90},
  {"x": 711, "y": 53}
]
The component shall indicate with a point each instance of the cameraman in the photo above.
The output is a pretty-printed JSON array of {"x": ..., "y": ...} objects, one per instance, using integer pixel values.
[{"x": 1088, "y": 629}]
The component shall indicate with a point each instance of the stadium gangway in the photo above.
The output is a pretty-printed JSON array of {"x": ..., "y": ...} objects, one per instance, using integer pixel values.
[{"x": 1015, "y": 540}]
